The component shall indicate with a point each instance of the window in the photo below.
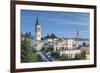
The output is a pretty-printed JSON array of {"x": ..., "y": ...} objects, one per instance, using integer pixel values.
[{"x": 38, "y": 29}]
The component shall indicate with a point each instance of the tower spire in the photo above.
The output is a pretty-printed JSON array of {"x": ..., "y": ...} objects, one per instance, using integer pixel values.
[
  {"x": 37, "y": 21},
  {"x": 77, "y": 33}
]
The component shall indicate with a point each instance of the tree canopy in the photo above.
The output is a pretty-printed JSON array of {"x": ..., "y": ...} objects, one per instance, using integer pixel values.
[{"x": 52, "y": 35}]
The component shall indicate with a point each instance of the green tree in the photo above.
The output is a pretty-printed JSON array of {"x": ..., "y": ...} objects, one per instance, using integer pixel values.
[
  {"x": 43, "y": 49},
  {"x": 50, "y": 49},
  {"x": 28, "y": 35},
  {"x": 53, "y": 36},
  {"x": 84, "y": 44},
  {"x": 55, "y": 55},
  {"x": 83, "y": 55},
  {"x": 27, "y": 54},
  {"x": 77, "y": 56},
  {"x": 64, "y": 57}
]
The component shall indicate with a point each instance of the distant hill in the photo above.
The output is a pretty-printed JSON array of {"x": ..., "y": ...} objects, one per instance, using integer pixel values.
[{"x": 82, "y": 39}]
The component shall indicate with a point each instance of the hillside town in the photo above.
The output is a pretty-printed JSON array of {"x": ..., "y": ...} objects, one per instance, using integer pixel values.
[{"x": 52, "y": 48}]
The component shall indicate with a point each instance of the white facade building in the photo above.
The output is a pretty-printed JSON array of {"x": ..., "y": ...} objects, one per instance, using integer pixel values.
[
  {"x": 64, "y": 45},
  {"x": 71, "y": 53}
]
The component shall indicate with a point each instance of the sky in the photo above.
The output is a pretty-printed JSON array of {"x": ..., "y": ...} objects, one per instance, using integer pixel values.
[{"x": 63, "y": 24}]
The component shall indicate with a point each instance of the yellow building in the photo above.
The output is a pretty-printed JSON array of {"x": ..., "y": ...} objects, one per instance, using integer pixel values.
[{"x": 64, "y": 45}]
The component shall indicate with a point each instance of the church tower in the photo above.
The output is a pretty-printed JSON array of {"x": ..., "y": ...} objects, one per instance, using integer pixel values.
[
  {"x": 77, "y": 34},
  {"x": 37, "y": 31}
]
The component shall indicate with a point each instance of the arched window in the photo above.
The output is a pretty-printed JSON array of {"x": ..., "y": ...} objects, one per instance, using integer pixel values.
[{"x": 38, "y": 29}]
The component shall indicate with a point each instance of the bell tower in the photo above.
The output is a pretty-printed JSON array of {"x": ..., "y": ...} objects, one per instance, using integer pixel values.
[
  {"x": 77, "y": 34},
  {"x": 37, "y": 31}
]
